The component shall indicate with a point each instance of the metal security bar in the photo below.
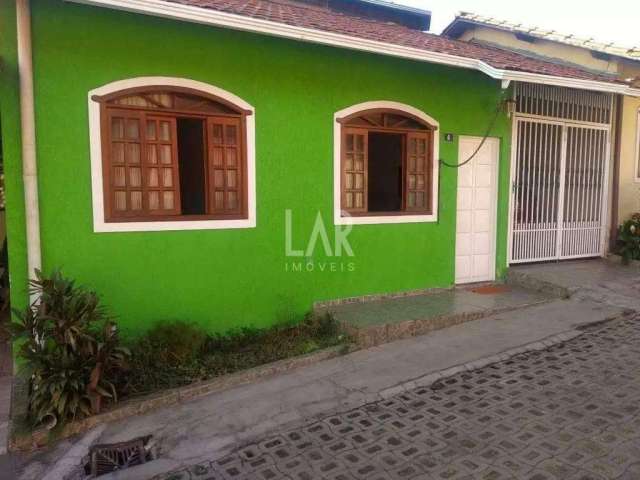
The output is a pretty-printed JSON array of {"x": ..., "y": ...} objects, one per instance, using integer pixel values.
[
  {"x": 536, "y": 190},
  {"x": 563, "y": 103},
  {"x": 583, "y": 214},
  {"x": 559, "y": 175}
]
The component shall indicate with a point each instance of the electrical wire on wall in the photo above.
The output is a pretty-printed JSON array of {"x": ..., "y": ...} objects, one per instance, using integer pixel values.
[{"x": 492, "y": 123}]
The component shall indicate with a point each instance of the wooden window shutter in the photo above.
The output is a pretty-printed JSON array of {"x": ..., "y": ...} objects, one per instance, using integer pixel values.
[
  {"x": 418, "y": 172},
  {"x": 225, "y": 165},
  {"x": 141, "y": 166},
  {"x": 355, "y": 163},
  {"x": 162, "y": 173},
  {"x": 123, "y": 163}
]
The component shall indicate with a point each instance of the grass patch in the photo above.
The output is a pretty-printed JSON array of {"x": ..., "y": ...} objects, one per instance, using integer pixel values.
[{"x": 178, "y": 353}]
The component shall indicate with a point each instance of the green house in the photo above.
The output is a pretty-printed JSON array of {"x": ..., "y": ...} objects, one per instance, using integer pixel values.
[{"x": 234, "y": 162}]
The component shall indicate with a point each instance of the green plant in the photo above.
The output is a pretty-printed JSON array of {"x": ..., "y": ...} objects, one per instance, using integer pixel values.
[
  {"x": 629, "y": 239},
  {"x": 153, "y": 368},
  {"x": 176, "y": 342},
  {"x": 70, "y": 348},
  {"x": 164, "y": 357}
]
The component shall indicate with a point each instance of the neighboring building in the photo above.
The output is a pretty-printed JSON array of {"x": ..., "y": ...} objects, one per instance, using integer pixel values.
[
  {"x": 191, "y": 154},
  {"x": 603, "y": 58}
]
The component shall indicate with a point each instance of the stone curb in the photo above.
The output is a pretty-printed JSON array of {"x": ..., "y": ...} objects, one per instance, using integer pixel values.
[
  {"x": 40, "y": 437},
  {"x": 529, "y": 282},
  {"x": 431, "y": 378},
  {"x": 325, "y": 304},
  {"x": 617, "y": 260},
  {"x": 375, "y": 335}
]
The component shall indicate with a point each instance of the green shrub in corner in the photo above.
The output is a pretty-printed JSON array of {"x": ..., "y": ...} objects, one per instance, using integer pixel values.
[
  {"x": 175, "y": 342},
  {"x": 174, "y": 354},
  {"x": 71, "y": 350},
  {"x": 629, "y": 239}
]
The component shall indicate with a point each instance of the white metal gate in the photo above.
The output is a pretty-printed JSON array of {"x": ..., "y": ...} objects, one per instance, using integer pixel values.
[{"x": 559, "y": 174}]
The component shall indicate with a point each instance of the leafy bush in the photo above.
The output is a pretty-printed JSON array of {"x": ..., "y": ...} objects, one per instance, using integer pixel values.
[
  {"x": 175, "y": 342},
  {"x": 629, "y": 239},
  {"x": 71, "y": 350},
  {"x": 223, "y": 354}
]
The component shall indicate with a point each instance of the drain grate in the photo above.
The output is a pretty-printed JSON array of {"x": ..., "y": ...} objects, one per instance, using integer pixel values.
[{"x": 108, "y": 458}]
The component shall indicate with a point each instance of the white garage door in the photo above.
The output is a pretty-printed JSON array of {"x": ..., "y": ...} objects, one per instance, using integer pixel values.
[{"x": 476, "y": 211}]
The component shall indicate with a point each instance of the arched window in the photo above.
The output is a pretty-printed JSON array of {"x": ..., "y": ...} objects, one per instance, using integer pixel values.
[
  {"x": 387, "y": 164},
  {"x": 173, "y": 153}
]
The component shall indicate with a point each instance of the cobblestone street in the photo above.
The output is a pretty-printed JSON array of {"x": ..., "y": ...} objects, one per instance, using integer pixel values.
[{"x": 571, "y": 411}]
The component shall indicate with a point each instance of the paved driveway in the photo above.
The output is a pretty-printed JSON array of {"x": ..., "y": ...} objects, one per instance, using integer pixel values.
[{"x": 569, "y": 412}]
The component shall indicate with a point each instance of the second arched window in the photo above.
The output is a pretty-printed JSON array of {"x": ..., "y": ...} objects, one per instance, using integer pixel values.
[{"x": 387, "y": 164}]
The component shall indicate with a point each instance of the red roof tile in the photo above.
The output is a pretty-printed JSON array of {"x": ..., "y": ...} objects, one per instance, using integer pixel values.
[{"x": 308, "y": 16}]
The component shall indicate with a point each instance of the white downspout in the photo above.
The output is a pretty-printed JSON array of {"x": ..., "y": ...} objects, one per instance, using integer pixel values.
[{"x": 28, "y": 131}]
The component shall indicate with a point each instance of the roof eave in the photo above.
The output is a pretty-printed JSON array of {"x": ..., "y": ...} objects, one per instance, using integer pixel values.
[
  {"x": 206, "y": 16},
  {"x": 462, "y": 23},
  {"x": 424, "y": 14},
  {"x": 456, "y": 27}
]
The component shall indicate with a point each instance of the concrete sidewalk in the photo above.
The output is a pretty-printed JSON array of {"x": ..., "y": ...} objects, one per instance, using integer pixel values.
[
  {"x": 211, "y": 426},
  {"x": 595, "y": 280}
]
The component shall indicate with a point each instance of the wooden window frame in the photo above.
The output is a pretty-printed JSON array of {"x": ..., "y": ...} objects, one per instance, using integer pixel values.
[
  {"x": 132, "y": 91},
  {"x": 352, "y": 172},
  {"x": 428, "y": 131},
  {"x": 241, "y": 168},
  {"x": 145, "y": 114},
  {"x": 95, "y": 100},
  {"x": 111, "y": 216}
]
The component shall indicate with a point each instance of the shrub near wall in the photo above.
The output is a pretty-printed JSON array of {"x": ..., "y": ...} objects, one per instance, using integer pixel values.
[
  {"x": 174, "y": 354},
  {"x": 629, "y": 239},
  {"x": 70, "y": 349}
]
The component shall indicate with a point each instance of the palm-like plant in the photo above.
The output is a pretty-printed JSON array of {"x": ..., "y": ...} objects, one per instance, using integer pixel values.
[{"x": 71, "y": 349}]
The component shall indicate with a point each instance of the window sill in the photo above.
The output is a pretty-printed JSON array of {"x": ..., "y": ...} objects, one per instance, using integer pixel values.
[
  {"x": 172, "y": 225},
  {"x": 382, "y": 219}
]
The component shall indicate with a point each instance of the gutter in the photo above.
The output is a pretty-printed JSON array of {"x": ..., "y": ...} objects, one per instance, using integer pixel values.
[
  {"x": 28, "y": 138},
  {"x": 177, "y": 11},
  {"x": 615, "y": 193}
]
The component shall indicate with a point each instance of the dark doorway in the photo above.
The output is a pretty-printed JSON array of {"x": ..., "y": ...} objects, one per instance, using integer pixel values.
[
  {"x": 191, "y": 160},
  {"x": 385, "y": 172}
]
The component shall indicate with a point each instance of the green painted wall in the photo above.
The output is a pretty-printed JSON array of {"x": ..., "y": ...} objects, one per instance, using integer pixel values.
[{"x": 229, "y": 278}]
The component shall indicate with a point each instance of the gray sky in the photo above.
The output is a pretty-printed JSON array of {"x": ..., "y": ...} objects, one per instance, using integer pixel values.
[{"x": 613, "y": 20}]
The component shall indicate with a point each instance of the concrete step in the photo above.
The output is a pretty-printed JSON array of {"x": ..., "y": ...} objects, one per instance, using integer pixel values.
[{"x": 523, "y": 279}]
